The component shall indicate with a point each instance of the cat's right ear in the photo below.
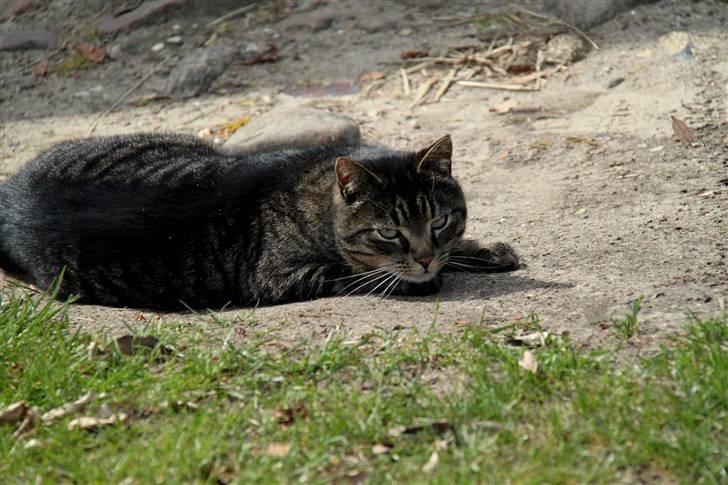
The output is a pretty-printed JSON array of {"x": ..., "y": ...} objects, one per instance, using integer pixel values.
[{"x": 350, "y": 174}]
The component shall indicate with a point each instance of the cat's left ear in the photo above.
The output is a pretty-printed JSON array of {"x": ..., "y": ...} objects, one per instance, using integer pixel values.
[{"x": 437, "y": 158}]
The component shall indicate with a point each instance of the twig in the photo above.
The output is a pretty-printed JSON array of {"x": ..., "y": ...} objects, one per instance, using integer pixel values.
[
  {"x": 418, "y": 67},
  {"x": 422, "y": 91},
  {"x": 232, "y": 14},
  {"x": 502, "y": 87},
  {"x": 405, "y": 83},
  {"x": 125, "y": 95},
  {"x": 446, "y": 82},
  {"x": 371, "y": 87}
]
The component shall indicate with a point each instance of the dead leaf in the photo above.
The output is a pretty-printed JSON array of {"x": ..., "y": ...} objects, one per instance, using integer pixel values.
[
  {"x": 71, "y": 407},
  {"x": 14, "y": 412},
  {"x": 278, "y": 449},
  {"x": 381, "y": 448},
  {"x": 431, "y": 463},
  {"x": 262, "y": 59},
  {"x": 133, "y": 344},
  {"x": 91, "y": 423},
  {"x": 396, "y": 431},
  {"x": 92, "y": 52},
  {"x": 413, "y": 54},
  {"x": 232, "y": 126},
  {"x": 505, "y": 106},
  {"x": 535, "y": 339},
  {"x": 528, "y": 362},
  {"x": 41, "y": 69},
  {"x": 287, "y": 416},
  {"x": 372, "y": 76},
  {"x": 682, "y": 131},
  {"x": 34, "y": 443}
]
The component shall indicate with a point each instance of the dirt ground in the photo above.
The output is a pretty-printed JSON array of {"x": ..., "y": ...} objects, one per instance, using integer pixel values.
[{"x": 586, "y": 178}]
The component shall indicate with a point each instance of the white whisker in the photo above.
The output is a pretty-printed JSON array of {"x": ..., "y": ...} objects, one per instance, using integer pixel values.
[
  {"x": 371, "y": 280},
  {"x": 366, "y": 279},
  {"x": 382, "y": 283}
]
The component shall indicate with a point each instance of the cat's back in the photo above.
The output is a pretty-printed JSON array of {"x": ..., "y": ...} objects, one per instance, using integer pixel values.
[{"x": 144, "y": 157}]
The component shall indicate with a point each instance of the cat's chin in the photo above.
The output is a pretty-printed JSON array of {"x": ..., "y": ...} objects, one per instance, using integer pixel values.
[{"x": 420, "y": 278}]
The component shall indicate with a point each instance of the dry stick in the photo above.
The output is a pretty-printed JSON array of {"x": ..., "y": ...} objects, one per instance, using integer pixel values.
[
  {"x": 125, "y": 95},
  {"x": 422, "y": 91},
  {"x": 502, "y": 87},
  {"x": 418, "y": 67},
  {"x": 405, "y": 83},
  {"x": 446, "y": 82},
  {"x": 229, "y": 15}
]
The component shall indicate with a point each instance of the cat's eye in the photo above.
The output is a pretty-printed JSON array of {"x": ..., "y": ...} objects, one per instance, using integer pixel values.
[
  {"x": 388, "y": 233},
  {"x": 439, "y": 222}
]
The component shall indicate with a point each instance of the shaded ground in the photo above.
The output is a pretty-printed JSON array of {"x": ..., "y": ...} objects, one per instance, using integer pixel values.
[{"x": 590, "y": 185}]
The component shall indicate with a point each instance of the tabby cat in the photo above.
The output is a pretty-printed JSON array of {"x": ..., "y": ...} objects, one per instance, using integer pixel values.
[{"x": 166, "y": 221}]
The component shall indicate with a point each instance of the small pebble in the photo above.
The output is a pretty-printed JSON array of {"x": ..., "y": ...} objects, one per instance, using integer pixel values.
[
  {"x": 406, "y": 32},
  {"x": 158, "y": 47},
  {"x": 174, "y": 40},
  {"x": 176, "y": 27},
  {"x": 615, "y": 82}
]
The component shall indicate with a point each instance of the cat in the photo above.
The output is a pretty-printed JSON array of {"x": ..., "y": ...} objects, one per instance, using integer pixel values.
[{"x": 166, "y": 221}]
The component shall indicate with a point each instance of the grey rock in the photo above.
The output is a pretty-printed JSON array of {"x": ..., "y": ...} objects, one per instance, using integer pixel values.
[
  {"x": 313, "y": 21},
  {"x": 174, "y": 40},
  {"x": 377, "y": 23},
  {"x": 294, "y": 127},
  {"x": 565, "y": 49},
  {"x": 588, "y": 13},
  {"x": 195, "y": 73},
  {"x": 28, "y": 39}
]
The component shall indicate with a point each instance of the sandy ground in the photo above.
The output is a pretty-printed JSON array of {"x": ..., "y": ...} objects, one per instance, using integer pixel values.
[{"x": 591, "y": 186}]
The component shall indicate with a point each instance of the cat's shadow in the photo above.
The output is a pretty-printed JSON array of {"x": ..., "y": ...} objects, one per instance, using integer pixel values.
[{"x": 476, "y": 286}]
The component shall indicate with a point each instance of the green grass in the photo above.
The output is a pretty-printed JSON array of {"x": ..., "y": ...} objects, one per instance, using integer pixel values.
[
  {"x": 211, "y": 412},
  {"x": 627, "y": 326}
]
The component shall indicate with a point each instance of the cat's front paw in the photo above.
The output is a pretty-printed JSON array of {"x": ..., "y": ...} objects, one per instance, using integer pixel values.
[
  {"x": 470, "y": 256},
  {"x": 502, "y": 255}
]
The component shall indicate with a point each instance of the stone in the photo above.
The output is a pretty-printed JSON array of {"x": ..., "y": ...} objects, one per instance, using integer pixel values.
[
  {"x": 174, "y": 40},
  {"x": 564, "y": 49},
  {"x": 157, "y": 47},
  {"x": 28, "y": 39},
  {"x": 195, "y": 73},
  {"x": 294, "y": 127},
  {"x": 145, "y": 13},
  {"x": 313, "y": 21},
  {"x": 377, "y": 23},
  {"x": 674, "y": 42}
]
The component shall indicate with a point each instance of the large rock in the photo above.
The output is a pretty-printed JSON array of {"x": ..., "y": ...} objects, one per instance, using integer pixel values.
[
  {"x": 588, "y": 13},
  {"x": 197, "y": 70},
  {"x": 28, "y": 39},
  {"x": 294, "y": 127}
]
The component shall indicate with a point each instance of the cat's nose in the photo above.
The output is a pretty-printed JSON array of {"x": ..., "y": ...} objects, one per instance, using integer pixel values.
[{"x": 425, "y": 262}]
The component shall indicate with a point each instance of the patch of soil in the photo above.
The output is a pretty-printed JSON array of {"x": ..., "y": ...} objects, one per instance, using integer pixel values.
[{"x": 584, "y": 176}]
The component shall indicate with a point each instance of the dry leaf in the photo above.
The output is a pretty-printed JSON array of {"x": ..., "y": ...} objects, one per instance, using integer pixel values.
[
  {"x": 372, "y": 76},
  {"x": 68, "y": 408},
  {"x": 41, "y": 69},
  {"x": 535, "y": 339},
  {"x": 287, "y": 416},
  {"x": 413, "y": 54},
  {"x": 132, "y": 344},
  {"x": 505, "y": 106},
  {"x": 528, "y": 362},
  {"x": 431, "y": 463},
  {"x": 92, "y": 52},
  {"x": 682, "y": 131},
  {"x": 278, "y": 449},
  {"x": 381, "y": 449},
  {"x": 396, "y": 431},
  {"x": 91, "y": 423},
  {"x": 14, "y": 412}
]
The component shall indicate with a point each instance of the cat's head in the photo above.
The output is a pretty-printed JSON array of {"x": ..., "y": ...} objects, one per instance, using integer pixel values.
[{"x": 399, "y": 211}]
